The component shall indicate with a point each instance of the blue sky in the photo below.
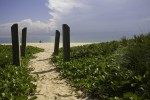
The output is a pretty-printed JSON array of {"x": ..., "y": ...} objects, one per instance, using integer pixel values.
[
  {"x": 17, "y": 10},
  {"x": 98, "y": 19}
]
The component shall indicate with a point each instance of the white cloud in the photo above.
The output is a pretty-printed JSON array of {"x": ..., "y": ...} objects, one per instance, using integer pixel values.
[
  {"x": 61, "y": 8},
  {"x": 33, "y": 27},
  {"x": 37, "y": 25}
]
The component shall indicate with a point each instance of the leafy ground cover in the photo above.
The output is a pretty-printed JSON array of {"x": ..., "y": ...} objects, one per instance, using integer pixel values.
[
  {"x": 116, "y": 70},
  {"x": 16, "y": 81}
]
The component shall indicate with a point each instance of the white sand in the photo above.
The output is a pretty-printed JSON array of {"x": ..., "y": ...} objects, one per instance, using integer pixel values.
[{"x": 49, "y": 86}]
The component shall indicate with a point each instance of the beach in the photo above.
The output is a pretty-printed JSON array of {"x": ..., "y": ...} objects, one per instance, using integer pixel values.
[{"x": 49, "y": 85}]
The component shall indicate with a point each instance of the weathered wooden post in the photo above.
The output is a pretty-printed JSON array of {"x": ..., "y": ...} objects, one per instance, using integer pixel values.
[
  {"x": 66, "y": 43},
  {"x": 57, "y": 39},
  {"x": 15, "y": 45},
  {"x": 23, "y": 47}
]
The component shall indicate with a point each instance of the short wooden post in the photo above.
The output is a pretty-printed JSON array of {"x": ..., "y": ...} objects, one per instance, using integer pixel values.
[
  {"x": 66, "y": 43},
  {"x": 15, "y": 45},
  {"x": 57, "y": 39},
  {"x": 23, "y": 47}
]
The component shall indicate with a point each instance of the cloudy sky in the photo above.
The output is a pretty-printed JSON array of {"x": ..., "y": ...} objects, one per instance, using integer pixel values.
[{"x": 88, "y": 19}]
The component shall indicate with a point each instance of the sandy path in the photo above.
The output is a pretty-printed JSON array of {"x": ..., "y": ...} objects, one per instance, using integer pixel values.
[{"x": 49, "y": 86}]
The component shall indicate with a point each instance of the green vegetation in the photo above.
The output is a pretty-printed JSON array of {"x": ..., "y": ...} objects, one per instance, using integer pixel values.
[
  {"x": 116, "y": 70},
  {"x": 16, "y": 81}
]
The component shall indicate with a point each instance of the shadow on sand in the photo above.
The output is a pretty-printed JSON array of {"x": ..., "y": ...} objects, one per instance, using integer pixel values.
[{"x": 45, "y": 71}]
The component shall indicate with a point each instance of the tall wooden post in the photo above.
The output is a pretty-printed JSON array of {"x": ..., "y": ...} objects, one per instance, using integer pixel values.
[
  {"x": 15, "y": 45},
  {"x": 57, "y": 39},
  {"x": 23, "y": 47},
  {"x": 66, "y": 43}
]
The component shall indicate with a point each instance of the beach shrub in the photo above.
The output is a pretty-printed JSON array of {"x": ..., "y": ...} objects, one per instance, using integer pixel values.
[
  {"x": 16, "y": 83},
  {"x": 116, "y": 70}
]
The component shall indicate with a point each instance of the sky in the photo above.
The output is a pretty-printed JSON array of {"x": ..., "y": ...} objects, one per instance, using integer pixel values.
[{"x": 97, "y": 20}]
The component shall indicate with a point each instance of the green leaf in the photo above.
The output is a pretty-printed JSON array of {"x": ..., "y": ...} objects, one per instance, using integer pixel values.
[
  {"x": 130, "y": 96},
  {"x": 139, "y": 78}
]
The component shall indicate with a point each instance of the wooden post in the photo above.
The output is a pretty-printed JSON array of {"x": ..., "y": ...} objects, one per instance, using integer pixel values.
[
  {"x": 66, "y": 43},
  {"x": 15, "y": 45},
  {"x": 23, "y": 47},
  {"x": 57, "y": 39}
]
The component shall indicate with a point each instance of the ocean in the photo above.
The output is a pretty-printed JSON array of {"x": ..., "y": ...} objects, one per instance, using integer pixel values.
[
  {"x": 73, "y": 39},
  {"x": 30, "y": 39}
]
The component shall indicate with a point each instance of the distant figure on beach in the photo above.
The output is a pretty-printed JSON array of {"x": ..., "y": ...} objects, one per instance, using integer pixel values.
[{"x": 40, "y": 41}]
